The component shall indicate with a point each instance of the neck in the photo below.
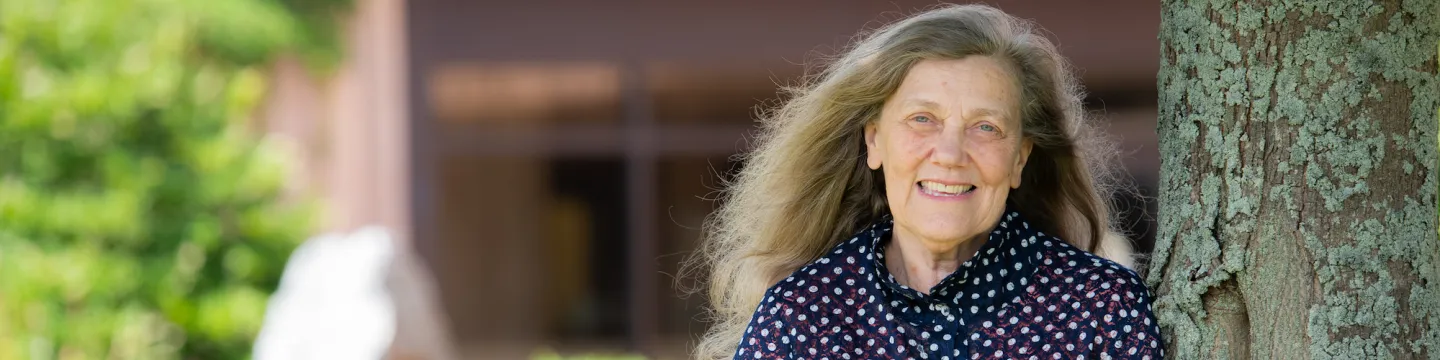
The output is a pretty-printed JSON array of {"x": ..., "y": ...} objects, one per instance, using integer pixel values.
[{"x": 921, "y": 263}]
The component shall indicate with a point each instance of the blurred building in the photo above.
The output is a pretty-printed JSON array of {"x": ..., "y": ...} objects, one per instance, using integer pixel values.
[{"x": 553, "y": 160}]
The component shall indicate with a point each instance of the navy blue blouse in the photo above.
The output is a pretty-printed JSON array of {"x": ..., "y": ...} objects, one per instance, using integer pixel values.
[{"x": 1024, "y": 295}]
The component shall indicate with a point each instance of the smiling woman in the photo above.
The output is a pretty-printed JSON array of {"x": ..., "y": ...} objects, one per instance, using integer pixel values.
[
  {"x": 950, "y": 161},
  {"x": 935, "y": 193}
]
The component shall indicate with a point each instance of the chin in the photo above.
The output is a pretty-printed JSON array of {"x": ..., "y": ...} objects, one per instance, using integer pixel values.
[
  {"x": 946, "y": 227},
  {"x": 946, "y": 235}
]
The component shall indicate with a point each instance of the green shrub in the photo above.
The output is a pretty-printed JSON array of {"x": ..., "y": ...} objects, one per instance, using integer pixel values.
[{"x": 140, "y": 215}]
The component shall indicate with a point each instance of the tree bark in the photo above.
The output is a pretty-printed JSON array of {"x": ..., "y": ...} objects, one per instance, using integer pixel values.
[{"x": 1298, "y": 180}]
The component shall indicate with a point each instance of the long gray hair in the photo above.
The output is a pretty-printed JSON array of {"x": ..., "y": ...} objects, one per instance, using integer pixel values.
[{"x": 805, "y": 186}]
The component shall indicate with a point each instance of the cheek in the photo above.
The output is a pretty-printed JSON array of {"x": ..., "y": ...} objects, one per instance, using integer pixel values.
[
  {"x": 908, "y": 147},
  {"x": 996, "y": 161},
  {"x": 904, "y": 152}
]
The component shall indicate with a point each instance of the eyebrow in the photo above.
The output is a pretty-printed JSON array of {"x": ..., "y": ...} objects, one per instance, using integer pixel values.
[
  {"x": 973, "y": 113},
  {"x": 922, "y": 103},
  {"x": 982, "y": 112}
]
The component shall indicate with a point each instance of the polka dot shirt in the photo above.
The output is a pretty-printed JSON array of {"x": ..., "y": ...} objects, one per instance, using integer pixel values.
[{"x": 1024, "y": 295}]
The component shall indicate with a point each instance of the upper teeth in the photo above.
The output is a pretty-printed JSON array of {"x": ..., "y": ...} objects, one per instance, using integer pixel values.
[{"x": 938, "y": 187}]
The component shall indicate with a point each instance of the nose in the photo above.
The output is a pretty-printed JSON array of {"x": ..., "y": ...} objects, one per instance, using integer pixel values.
[{"x": 950, "y": 149}]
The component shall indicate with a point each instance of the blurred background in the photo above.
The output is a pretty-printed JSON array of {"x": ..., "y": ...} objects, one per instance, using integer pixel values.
[{"x": 541, "y": 167}]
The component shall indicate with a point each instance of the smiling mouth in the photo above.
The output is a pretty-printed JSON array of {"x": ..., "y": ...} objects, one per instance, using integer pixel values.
[{"x": 938, "y": 189}]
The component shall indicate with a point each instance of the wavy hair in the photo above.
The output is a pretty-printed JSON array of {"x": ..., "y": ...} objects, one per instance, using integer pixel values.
[{"x": 805, "y": 186}]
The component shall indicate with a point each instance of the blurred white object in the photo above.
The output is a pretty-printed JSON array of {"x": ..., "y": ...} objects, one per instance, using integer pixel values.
[{"x": 342, "y": 297}]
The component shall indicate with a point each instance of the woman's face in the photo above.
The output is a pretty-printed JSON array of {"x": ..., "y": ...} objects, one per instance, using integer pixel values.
[{"x": 949, "y": 143}]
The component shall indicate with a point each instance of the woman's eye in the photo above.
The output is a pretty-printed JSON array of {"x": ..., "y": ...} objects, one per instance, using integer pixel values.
[
  {"x": 988, "y": 128},
  {"x": 921, "y": 118}
]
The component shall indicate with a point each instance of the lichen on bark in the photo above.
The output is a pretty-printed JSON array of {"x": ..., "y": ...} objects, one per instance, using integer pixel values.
[{"x": 1298, "y": 179}]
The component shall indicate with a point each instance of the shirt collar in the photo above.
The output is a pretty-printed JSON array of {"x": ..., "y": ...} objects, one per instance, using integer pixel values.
[{"x": 1009, "y": 254}]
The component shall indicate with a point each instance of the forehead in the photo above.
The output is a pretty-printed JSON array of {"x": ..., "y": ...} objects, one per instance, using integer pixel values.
[{"x": 970, "y": 84}]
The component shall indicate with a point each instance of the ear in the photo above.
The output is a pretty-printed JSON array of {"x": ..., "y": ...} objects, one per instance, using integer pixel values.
[
  {"x": 873, "y": 154},
  {"x": 1025, "y": 147}
]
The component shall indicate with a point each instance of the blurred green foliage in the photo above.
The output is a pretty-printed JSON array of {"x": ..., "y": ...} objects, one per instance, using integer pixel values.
[{"x": 140, "y": 214}]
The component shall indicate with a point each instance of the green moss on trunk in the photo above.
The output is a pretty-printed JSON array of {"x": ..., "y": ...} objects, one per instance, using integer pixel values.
[{"x": 1294, "y": 222}]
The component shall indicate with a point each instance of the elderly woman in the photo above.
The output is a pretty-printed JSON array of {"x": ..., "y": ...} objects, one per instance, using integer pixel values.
[{"x": 935, "y": 193}]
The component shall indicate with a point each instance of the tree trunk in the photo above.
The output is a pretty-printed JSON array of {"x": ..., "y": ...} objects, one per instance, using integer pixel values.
[{"x": 1298, "y": 180}]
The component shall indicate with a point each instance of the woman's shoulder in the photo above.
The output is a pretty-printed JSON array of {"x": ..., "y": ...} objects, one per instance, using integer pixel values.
[
  {"x": 838, "y": 271},
  {"x": 1059, "y": 255},
  {"x": 1097, "y": 293},
  {"x": 1075, "y": 275}
]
